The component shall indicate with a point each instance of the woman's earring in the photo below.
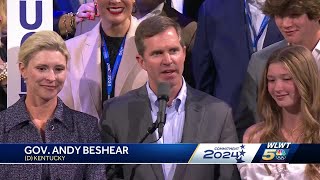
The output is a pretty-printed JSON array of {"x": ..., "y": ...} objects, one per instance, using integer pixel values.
[{"x": 134, "y": 8}]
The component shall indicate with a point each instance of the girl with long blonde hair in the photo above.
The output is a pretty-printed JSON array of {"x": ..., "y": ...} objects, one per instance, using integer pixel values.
[{"x": 289, "y": 107}]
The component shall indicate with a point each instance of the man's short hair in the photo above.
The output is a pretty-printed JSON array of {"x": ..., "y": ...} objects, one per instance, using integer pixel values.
[
  {"x": 153, "y": 26},
  {"x": 292, "y": 8}
]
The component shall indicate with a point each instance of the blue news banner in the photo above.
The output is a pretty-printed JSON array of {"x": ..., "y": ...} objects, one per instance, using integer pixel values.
[{"x": 275, "y": 152}]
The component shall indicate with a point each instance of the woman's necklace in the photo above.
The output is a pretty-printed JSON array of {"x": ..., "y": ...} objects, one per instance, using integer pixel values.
[{"x": 290, "y": 134}]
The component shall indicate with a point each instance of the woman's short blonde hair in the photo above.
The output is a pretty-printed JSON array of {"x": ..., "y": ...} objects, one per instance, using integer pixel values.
[{"x": 42, "y": 40}]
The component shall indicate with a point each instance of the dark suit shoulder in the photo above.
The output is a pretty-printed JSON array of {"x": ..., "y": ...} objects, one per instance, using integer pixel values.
[
  {"x": 181, "y": 19},
  {"x": 259, "y": 59},
  {"x": 269, "y": 49}
]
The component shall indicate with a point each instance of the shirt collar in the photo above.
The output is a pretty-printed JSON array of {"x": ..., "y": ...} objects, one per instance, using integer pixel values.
[
  {"x": 256, "y": 3},
  {"x": 178, "y": 102},
  {"x": 316, "y": 50},
  {"x": 58, "y": 113},
  {"x": 17, "y": 114}
]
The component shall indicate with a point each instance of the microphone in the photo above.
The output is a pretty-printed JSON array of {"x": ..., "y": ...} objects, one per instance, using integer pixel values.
[{"x": 163, "y": 98}]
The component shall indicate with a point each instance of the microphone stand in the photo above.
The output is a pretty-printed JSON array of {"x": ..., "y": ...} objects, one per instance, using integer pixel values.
[
  {"x": 150, "y": 130},
  {"x": 163, "y": 95}
]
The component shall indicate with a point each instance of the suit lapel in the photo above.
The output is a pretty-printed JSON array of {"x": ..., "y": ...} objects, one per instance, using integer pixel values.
[
  {"x": 157, "y": 169},
  {"x": 193, "y": 114},
  {"x": 128, "y": 61},
  {"x": 140, "y": 117},
  {"x": 194, "y": 110},
  {"x": 273, "y": 34},
  {"x": 192, "y": 121},
  {"x": 91, "y": 61},
  {"x": 141, "y": 121}
]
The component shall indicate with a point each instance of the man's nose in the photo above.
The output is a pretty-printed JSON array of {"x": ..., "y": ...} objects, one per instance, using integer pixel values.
[
  {"x": 166, "y": 59},
  {"x": 287, "y": 21}
]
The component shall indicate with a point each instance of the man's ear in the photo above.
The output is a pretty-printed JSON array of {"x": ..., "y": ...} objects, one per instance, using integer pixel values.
[
  {"x": 140, "y": 60},
  {"x": 184, "y": 49}
]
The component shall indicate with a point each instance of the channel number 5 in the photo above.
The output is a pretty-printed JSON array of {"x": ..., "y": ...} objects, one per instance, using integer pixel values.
[{"x": 269, "y": 154}]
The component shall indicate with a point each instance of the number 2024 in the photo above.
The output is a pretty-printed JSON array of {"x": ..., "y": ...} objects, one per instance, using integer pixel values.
[{"x": 210, "y": 154}]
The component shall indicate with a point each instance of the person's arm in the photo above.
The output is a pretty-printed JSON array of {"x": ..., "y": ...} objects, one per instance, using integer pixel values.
[
  {"x": 3, "y": 75},
  {"x": 202, "y": 61},
  {"x": 246, "y": 112},
  {"x": 108, "y": 136},
  {"x": 66, "y": 22},
  {"x": 106, "y": 126},
  {"x": 67, "y": 25}
]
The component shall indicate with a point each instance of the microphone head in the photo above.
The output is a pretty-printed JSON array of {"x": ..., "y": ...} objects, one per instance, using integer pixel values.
[{"x": 163, "y": 91}]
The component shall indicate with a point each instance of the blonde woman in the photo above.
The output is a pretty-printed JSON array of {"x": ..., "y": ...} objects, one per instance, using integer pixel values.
[
  {"x": 41, "y": 117},
  {"x": 289, "y": 108}
]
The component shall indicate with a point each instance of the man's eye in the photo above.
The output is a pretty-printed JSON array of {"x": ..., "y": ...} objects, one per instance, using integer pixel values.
[
  {"x": 156, "y": 53},
  {"x": 174, "y": 50},
  {"x": 41, "y": 68},
  {"x": 59, "y": 69}
]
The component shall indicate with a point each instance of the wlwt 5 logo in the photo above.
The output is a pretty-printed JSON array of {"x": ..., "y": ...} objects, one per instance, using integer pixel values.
[{"x": 276, "y": 152}]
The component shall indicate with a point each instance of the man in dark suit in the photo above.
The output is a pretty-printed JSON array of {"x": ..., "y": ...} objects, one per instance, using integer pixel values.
[
  {"x": 190, "y": 8},
  {"x": 192, "y": 116},
  {"x": 223, "y": 47}
]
